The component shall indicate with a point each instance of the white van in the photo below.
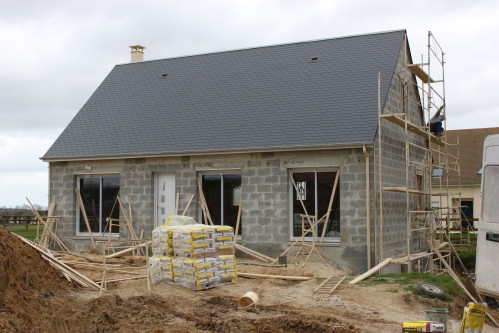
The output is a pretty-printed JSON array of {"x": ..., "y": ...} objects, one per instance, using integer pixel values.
[{"x": 487, "y": 253}]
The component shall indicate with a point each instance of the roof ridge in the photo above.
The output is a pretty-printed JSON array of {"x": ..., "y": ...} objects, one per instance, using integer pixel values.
[{"x": 266, "y": 46}]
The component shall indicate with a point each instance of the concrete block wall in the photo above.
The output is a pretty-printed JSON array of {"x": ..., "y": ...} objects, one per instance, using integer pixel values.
[
  {"x": 393, "y": 138},
  {"x": 265, "y": 195}
]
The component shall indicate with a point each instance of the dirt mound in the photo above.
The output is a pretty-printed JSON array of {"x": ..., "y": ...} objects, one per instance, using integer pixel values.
[
  {"x": 26, "y": 279},
  {"x": 158, "y": 314}
]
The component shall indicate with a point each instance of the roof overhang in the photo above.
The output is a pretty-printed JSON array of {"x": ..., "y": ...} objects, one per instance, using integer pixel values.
[{"x": 199, "y": 153}]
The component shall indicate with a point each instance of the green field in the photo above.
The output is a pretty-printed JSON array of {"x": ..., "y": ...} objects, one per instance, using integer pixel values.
[{"x": 28, "y": 231}]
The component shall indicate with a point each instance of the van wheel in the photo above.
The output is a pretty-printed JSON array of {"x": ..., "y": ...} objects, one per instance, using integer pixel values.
[{"x": 430, "y": 290}]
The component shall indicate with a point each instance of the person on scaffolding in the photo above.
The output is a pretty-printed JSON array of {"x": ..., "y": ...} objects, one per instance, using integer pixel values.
[{"x": 436, "y": 122}]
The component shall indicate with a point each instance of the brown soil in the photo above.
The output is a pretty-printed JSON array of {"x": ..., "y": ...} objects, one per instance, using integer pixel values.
[
  {"x": 26, "y": 281},
  {"x": 128, "y": 306}
]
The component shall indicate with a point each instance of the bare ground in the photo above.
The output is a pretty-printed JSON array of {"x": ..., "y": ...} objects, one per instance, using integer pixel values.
[{"x": 27, "y": 304}]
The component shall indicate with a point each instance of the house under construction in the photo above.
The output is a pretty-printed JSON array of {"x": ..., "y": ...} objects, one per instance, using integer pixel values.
[{"x": 330, "y": 133}]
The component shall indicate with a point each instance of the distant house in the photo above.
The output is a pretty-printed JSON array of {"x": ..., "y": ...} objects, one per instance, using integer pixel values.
[
  {"x": 244, "y": 124},
  {"x": 465, "y": 190}
]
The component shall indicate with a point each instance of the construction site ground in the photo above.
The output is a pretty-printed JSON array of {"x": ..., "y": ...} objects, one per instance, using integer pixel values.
[{"x": 35, "y": 298}]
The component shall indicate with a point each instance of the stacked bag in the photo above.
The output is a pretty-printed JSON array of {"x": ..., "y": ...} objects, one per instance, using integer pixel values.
[{"x": 195, "y": 256}]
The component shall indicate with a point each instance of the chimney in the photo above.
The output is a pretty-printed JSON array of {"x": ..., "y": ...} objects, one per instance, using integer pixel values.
[{"x": 137, "y": 53}]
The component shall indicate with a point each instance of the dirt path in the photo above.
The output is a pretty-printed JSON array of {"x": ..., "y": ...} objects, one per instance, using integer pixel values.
[{"x": 35, "y": 298}]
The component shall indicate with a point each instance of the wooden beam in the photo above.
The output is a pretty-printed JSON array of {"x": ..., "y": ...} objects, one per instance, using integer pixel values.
[
  {"x": 330, "y": 206},
  {"x": 85, "y": 218},
  {"x": 131, "y": 248},
  {"x": 238, "y": 220},
  {"x": 371, "y": 271},
  {"x": 269, "y": 276},
  {"x": 459, "y": 283},
  {"x": 188, "y": 203}
]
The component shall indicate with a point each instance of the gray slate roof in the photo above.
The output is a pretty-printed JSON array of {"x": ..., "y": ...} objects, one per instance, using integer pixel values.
[{"x": 273, "y": 97}]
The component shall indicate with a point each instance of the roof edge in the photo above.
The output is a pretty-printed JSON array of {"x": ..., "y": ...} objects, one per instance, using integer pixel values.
[
  {"x": 214, "y": 152},
  {"x": 265, "y": 46}
]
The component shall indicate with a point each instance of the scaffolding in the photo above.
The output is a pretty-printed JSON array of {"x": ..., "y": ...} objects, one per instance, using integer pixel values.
[{"x": 427, "y": 157}]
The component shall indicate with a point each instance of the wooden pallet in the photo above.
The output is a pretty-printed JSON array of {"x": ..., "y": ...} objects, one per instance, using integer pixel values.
[{"x": 329, "y": 285}]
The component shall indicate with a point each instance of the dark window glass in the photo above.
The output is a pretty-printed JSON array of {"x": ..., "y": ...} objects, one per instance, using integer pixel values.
[
  {"x": 325, "y": 184},
  {"x": 222, "y": 194},
  {"x": 232, "y": 196},
  {"x": 99, "y": 199},
  {"x": 90, "y": 195},
  {"x": 212, "y": 189},
  {"x": 110, "y": 207}
]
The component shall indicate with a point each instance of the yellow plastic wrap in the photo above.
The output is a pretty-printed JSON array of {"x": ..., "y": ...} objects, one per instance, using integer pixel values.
[{"x": 473, "y": 318}]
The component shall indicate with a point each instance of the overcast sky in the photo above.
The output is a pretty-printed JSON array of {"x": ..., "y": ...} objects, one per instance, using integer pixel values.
[{"x": 55, "y": 53}]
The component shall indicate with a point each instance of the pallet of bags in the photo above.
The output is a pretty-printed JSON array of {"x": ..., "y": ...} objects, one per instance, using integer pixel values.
[
  {"x": 204, "y": 273},
  {"x": 201, "y": 241},
  {"x": 160, "y": 269}
]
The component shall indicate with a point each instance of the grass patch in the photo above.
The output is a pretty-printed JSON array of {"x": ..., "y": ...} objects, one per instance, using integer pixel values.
[
  {"x": 409, "y": 282},
  {"x": 468, "y": 258},
  {"x": 28, "y": 232}
]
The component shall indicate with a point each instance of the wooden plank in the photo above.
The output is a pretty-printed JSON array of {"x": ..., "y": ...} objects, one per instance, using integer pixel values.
[
  {"x": 85, "y": 218},
  {"x": 203, "y": 202},
  {"x": 269, "y": 276},
  {"x": 337, "y": 285},
  {"x": 371, "y": 271},
  {"x": 458, "y": 281},
  {"x": 188, "y": 203},
  {"x": 177, "y": 199},
  {"x": 330, "y": 206},
  {"x": 47, "y": 227},
  {"x": 238, "y": 220},
  {"x": 131, "y": 248},
  {"x": 323, "y": 283},
  {"x": 413, "y": 128},
  {"x": 253, "y": 254},
  {"x": 417, "y": 70},
  {"x": 62, "y": 266}
]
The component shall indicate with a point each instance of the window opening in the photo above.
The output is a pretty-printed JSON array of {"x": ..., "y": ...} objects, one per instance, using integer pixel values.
[
  {"x": 315, "y": 190},
  {"x": 99, "y": 196},
  {"x": 223, "y": 194}
]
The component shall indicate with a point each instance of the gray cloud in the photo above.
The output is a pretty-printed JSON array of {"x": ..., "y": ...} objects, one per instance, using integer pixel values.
[{"x": 56, "y": 53}]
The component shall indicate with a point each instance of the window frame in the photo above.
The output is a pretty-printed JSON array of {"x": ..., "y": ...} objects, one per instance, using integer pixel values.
[
  {"x": 315, "y": 170},
  {"x": 489, "y": 215},
  {"x": 220, "y": 173},
  {"x": 102, "y": 224}
]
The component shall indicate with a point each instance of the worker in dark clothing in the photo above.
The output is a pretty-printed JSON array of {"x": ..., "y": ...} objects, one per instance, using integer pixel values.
[{"x": 436, "y": 122}]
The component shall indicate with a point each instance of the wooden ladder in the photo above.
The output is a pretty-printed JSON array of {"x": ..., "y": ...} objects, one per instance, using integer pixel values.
[{"x": 329, "y": 285}]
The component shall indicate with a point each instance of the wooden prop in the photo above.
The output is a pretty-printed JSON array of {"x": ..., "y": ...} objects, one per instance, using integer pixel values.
[
  {"x": 85, "y": 218},
  {"x": 371, "y": 271},
  {"x": 177, "y": 199},
  {"x": 47, "y": 233},
  {"x": 238, "y": 220},
  {"x": 305, "y": 231},
  {"x": 129, "y": 249},
  {"x": 253, "y": 253},
  {"x": 312, "y": 245},
  {"x": 106, "y": 268},
  {"x": 269, "y": 276},
  {"x": 188, "y": 203},
  {"x": 330, "y": 206},
  {"x": 203, "y": 202},
  {"x": 459, "y": 283},
  {"x": 65, "y": 269}
]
